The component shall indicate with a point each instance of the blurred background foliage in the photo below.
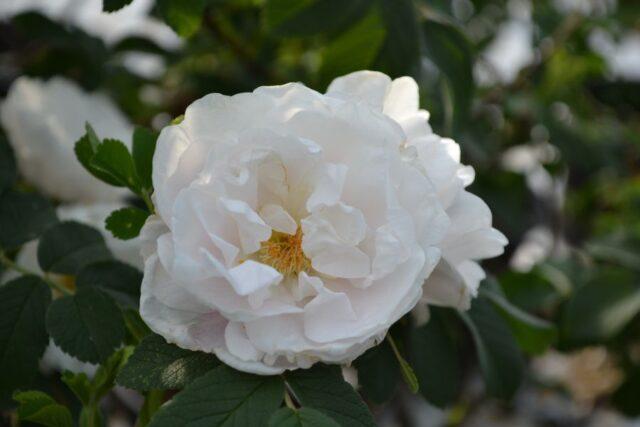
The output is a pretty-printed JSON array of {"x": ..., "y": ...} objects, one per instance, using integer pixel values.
[{"x": 544, "y": 98}]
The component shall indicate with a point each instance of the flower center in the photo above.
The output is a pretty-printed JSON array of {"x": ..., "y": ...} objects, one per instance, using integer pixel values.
[{"x": 284, "y": 253}]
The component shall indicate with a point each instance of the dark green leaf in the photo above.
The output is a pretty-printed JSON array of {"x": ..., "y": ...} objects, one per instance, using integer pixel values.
[
  {"x": 405, "y": 368},
  {"x": 434, "y": 357},
  {"x": 126, "y": 223},
  {"x": 625, "y": 397},
  {"x": 378, "y": 373},
  {"x": 23, "y": 337},
  {"x": 87, "y": 325},
  {"x": 303, "y": 417},
  {"x": 112, "y": 157},
  {"x": 223, "y": 397},
  {"x": 115, "y": 278},
  {"x": 323, "y": 388},
  {"x": 135, "y": 325},
  {"x": 400, "y": 52},
  {"x": 113, "y": 5},
  {"x": 534, "y": 335},
  {"x": 85, "y": 149},
  {"x": 23, "y": 217},
  {"x": 602, "y": 307},
  {"x": 156, "y": 364},
  {"x": 68, "y": 246},
  {"x": 452, "y": 53},
  {"x": 500, "y": 359},
  {"x": 144, "y": 145},
  {"x": 355, "y": 49},
  {"x": 184, "y": 16},
  {"x": 308, "y": 17},
  {"x": 40, "y": 408},
  {"x": 7, "y": 165}
]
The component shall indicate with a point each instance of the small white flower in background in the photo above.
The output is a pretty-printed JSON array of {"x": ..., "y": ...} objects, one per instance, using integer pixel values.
[
  {"x": 128, "y": 251},
  {"x": 622, "y": 57},
  {"x": 43, "y": 120},
  {"x": 470, "y": 237},
  {"x": 132, "y": 20},
  {"x": 294, "y": 227}
]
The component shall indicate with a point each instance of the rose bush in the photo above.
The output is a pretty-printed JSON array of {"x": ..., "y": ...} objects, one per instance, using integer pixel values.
[{"x": 294, "y": 227}]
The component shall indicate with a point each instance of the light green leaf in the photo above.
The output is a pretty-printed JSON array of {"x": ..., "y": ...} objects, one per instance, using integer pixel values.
[
  {"x": 156, "y": 364},
  {"x": 87, "y": 325},
  {"x": 68, "y": 246},
  {"x": 40, "y": 408},
  {"x": 223, "y": 397},
  {"x": 184, "y": 16},
  {"x": 405, "y": 368},
  {"x": 79, "y": 384}
]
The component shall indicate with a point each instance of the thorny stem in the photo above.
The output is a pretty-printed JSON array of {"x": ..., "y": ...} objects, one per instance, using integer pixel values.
[{"x": 7, "y": 262}]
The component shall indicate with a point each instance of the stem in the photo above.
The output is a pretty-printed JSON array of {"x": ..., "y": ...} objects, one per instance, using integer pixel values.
[
  {"x": 147, "y": 201},
  {"x": 7, "y": 262},
  {"x": 288, "y": 401}
]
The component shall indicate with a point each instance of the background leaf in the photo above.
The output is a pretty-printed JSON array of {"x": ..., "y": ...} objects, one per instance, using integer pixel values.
[
  {"x": 40, "y": 408},
  {"x": 184, "y": 16},
  {"x": 113, "y": 5},
  {"x": 23, "y": 337},
  {"x": 23, "y": 217},
  {"x": 87, "y": 325},
  {"x": 303, "y": 417},
  {"x": 67, "y": 247},
  {"x": 144, "y": 145},
  {"x": 7, "y": 165},
  {"x": 117, "y": 279}
]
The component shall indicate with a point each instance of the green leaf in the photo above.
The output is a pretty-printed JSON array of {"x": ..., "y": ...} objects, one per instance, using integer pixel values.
[
  {"x": 378, "y": 373},
  {"x": 126, "y": 223},
  {"x": 533, "y": 335},
  {"x": 79, "y": 384},
  {"x": 452, "y": 53},
  {"x": 7, "y": 165},
  {"x": 405, "y": 368},
  {"x": 68, "y": 246},
  {"x": 601, "y": 308},
  {"x": 113, "y": 5},
  {"x": 434, "y": 357},
  {"x": 322, "y": 387},
  {"x": 184, "y": 16},
  {"x": 85, "y": 149},
  {"x": 223, "y": 397},
  {"x": 156, "y": 364},
  {"x": 500, "y": 359},
  {"x": 112, "y": 157},
  {"x": 135, "y": 325},
  {"x": 87, "y": 325},
  {"x": 117, "y": 279},
  {"x": 105, "y": 376},
  {"x": 23, "y": 337},
  {"x": 23, "y": 217},
  {"x": 40, "y": 408},
  {"x": 625, "y": 397},
  {"x": 355, "y": 49},
  {"x": 400, "y": 53},
  {"x": 144, "y": 145},
  {"x": 309, "y": 17},
  {"x": 303, "y": 417}
]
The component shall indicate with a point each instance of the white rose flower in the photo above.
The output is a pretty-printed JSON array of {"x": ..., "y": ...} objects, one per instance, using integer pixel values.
[
  {"x": 471, "y": 237},
  {"x": 290, "y": 229},
  {"x": 43, "y": 120}
]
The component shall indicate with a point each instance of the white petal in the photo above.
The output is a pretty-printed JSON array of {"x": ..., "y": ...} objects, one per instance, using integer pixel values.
[
  {"x": 326, "y": 315},
  {"x": 367, "y": 86},
  {"x": 251, "y": 276},
  {"x": 328, "y": 187},
  {"x": 252, "y": 230},
  {"x": 239, "y": 345},
  {"x": 278, "y": 219},
  {"x": 402, "y": 99}
]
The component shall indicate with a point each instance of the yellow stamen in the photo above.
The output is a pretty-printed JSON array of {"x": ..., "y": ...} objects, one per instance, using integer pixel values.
[{"x": 284, "y": 253}]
